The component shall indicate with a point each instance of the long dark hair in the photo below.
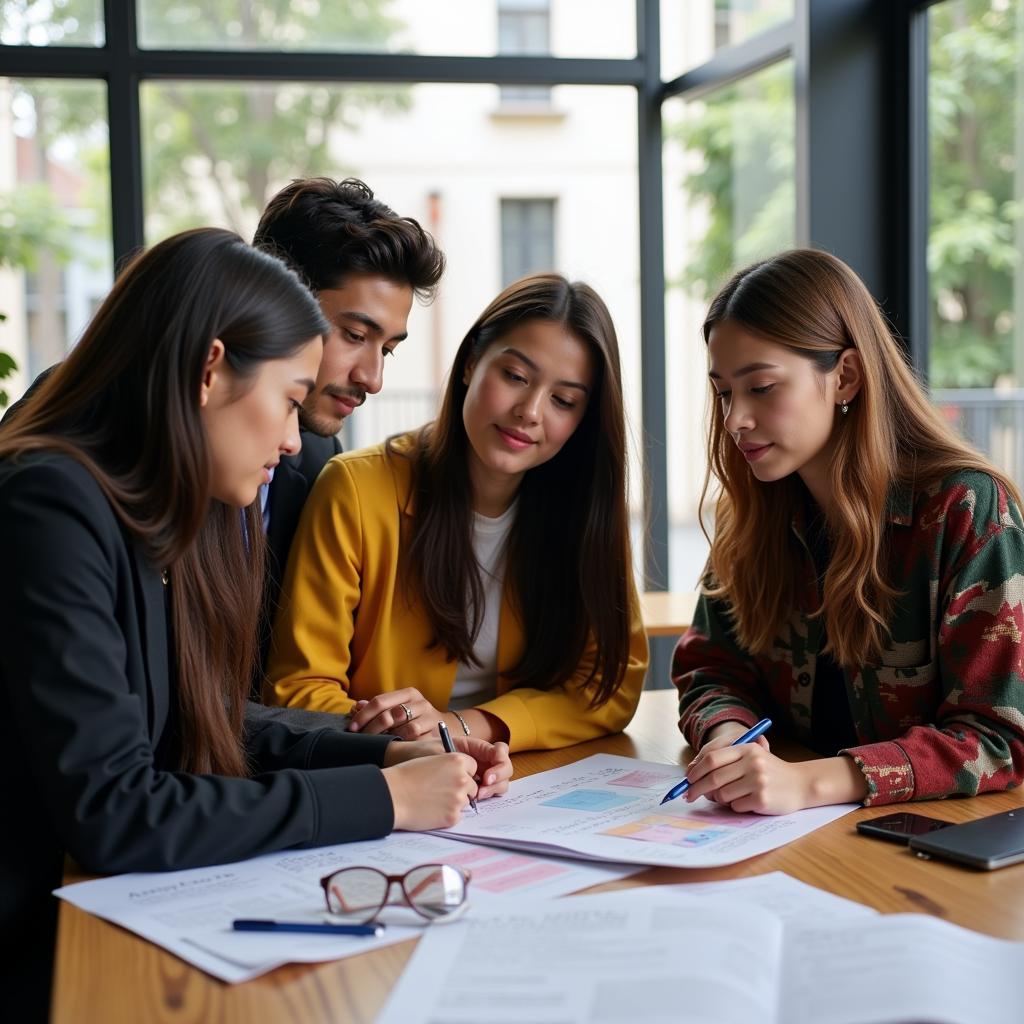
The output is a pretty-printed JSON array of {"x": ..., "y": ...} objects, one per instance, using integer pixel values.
[
  {"x": 569, "y": 561},
  {"x": 125, "y": 403}
]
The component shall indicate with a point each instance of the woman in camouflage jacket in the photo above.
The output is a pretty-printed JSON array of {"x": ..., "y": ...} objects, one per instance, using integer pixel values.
[{"x": 865, "y": 586}]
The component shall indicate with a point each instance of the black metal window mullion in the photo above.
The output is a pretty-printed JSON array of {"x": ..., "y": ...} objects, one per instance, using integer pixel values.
[
  {"x": 652, "y": 294},
  {"x": 918, "y": 189},
  {"x": 125, "y": 139}
]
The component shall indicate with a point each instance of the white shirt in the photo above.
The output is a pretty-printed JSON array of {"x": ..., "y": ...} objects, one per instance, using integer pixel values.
[{"x": 475, "y": 684}]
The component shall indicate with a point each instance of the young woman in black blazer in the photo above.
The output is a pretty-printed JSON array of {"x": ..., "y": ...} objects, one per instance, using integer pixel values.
[{"x": 129, "y": 597}]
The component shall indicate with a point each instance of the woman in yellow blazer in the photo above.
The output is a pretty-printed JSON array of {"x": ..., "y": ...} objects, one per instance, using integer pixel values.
[{"x": 478, "y": 571}]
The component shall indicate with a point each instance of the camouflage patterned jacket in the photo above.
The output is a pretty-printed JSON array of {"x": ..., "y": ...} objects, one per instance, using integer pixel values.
[{"x": 942, "y": 713}]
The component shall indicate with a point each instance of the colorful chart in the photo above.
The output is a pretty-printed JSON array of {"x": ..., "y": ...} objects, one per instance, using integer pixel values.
[
  {"x": 501, "y": 871},
  {"x": 672, "y": 831},
  {"x": 588, "y": 800}
]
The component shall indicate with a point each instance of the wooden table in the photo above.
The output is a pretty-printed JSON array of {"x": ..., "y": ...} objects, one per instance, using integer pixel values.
[
  {"x": 106, "y": 974},
  {"x": 666, "y": 612}
]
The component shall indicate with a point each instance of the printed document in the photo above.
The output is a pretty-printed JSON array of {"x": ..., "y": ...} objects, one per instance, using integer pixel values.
[
  {"x": 190, "y": 912},
  {"x": 796, "y": 903},
  {"x": 644, "y": 954},
  {"x": 607, "y": 807}
]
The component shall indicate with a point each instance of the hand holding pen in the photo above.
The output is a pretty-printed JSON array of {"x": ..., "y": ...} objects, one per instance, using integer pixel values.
[
  {"x": 748, "y": 737},
  {"x": 449, "y": 748}
]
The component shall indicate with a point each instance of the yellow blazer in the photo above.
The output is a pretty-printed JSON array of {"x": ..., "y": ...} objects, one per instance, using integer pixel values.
[{"x": 346, "y": 631}]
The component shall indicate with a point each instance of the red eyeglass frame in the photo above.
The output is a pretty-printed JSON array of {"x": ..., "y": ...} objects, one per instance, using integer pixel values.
[{"x": 391, "y": 880}]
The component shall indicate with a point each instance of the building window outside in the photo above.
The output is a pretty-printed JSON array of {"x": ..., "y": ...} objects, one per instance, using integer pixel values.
[
  {"x": 527, "y": 237},
  {"x": 524, "y": 29}
]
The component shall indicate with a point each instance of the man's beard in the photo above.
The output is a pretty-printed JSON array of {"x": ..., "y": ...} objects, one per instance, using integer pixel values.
[{"x": 326, "y": 426}]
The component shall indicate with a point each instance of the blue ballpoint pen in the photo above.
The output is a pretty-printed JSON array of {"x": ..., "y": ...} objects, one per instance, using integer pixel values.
[
  {"x": 310, "y": 927},
  {"x": 748, "y": 737},
  {"x": 449, "y": 748}
]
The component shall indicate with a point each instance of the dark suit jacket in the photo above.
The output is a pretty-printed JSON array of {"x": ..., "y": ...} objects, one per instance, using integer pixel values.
[
  {"x": 293, "y": 480},
  {"x": 88, "y": 714}
]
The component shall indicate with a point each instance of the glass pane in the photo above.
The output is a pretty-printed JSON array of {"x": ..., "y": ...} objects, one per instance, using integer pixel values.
[
  {"x": 51, "y": 22},
  {"x": 729, "y": 200},
  {"x": 692, "y": 30},
  {"x": 527, "y": 237},
  {"x": 55, "y": 248},
  {"x": 445, "y": 154},
  {"x": 565, "y": 28},
  {"x": 976, "y": 238}
]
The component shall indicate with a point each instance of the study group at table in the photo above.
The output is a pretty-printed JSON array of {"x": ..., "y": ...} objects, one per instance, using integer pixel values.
[{"x": 221, "y": 636}]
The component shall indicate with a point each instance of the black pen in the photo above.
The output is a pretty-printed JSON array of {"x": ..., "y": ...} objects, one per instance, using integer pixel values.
[
  {"x": 449, "y": 748},
  {"x": 309, "y": 927}
]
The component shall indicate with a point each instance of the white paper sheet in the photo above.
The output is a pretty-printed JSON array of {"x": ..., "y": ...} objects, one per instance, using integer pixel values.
[
  {"x": 652, "y": 955},
  {"x": 794, "y": 902},
  {"x": 601, "y": 958},
  {"x": 900, "y": 967},
  {"x": 190, "y": 912},
  {"x": 606, "y": 807}
]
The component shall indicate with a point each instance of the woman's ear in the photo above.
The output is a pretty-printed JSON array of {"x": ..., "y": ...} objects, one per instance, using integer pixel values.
[
  {"x": 467, "y": 370},
  {"x": 213, "y": 375},
  {"x": 849, "y": 376}
]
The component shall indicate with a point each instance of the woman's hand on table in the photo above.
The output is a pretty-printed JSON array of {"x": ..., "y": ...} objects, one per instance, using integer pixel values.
[{"x": 387, "y": 713}]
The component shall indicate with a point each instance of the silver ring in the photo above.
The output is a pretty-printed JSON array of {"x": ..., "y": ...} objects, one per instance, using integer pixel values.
[{"x": 408, "y": 713}]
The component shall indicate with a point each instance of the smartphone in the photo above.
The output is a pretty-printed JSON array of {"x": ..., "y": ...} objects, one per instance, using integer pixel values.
[
  {"x": 985, "y": 843},
  {"x": 900, "y": 827}
]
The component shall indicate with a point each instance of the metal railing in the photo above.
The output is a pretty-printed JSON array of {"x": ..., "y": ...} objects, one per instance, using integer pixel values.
[
  {"x": 392, "y": 412},
  {"x": 992, "y": 420}
]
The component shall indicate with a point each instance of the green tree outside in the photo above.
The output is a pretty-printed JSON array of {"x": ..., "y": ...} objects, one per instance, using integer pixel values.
[
  {"x": 976, "y": 133},
  {"x": 212, "y": 152},
  {"x": 744, "y": 179}
]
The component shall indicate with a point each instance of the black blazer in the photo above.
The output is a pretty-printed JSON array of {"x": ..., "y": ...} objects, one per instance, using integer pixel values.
[
  {"x": 88, "y": 721},
  {"x": 293, "y": 480}
]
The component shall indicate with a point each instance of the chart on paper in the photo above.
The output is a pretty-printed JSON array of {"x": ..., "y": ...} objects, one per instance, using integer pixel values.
[{"x": 609, "y": 808}]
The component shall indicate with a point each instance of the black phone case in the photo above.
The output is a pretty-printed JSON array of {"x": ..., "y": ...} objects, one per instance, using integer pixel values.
[
  {"x": 870, "y": 827},
  {"x": 988, "y": 843}
]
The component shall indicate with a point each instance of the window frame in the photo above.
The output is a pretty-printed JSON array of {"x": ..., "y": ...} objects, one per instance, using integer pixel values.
[{"x": 857, "y": 63}]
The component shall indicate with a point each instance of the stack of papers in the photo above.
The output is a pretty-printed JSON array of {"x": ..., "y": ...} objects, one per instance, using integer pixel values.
[
  {"x": 719, "y": 953},
  {"x": 190, "y": 912}
]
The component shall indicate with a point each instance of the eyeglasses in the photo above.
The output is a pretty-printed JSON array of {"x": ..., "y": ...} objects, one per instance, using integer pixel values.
[{"x": 358, "y": 895}]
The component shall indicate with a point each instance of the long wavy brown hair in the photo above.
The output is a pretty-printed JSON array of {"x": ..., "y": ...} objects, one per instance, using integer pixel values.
[
  {"x": 125, "y": 403},
  {"x": 568, "y": 560},
  {"x": 816, "y": 306}
]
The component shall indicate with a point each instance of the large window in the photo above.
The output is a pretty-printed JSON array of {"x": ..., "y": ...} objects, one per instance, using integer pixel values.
[
  {"x": 976, "y": 231},
  {"x": 215, "y": 152},
  {"x": 55, "y": 253},
  {"x": 730, "y": 199},
  {"x": 647, "y": 146}
]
